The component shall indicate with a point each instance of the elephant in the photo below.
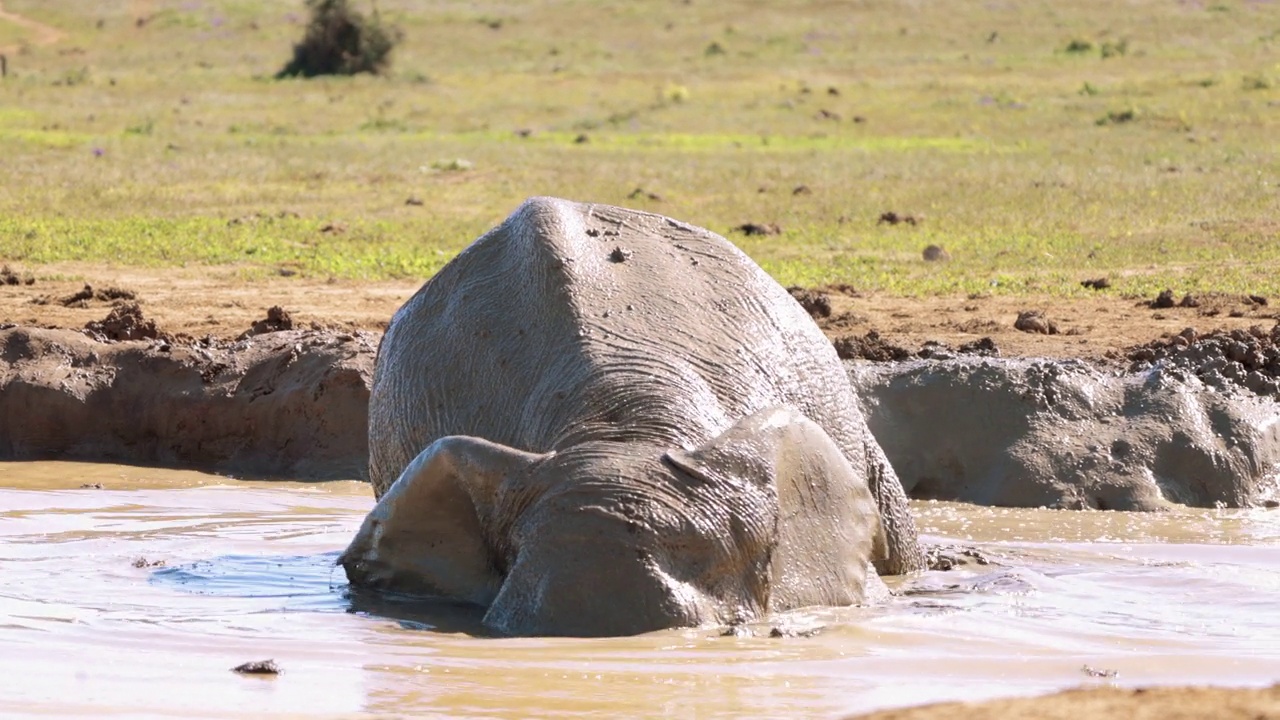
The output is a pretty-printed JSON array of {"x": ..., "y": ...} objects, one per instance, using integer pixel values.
[{"x": 596, "y": 421}]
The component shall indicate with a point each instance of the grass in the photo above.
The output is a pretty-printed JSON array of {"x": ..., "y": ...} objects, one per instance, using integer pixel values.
[{"x": 1042, "y": 142}]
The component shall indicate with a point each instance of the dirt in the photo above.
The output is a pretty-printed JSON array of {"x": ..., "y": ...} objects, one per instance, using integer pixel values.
[
  {"x": 1108, "y": 703},
  {"x": 1073, "y": 435},
  {"x": 222, "y": 303},
  {"x": 124, "y": 322},
  {"x": 269, "y": 376},
  {"x": 893, "y": 218},
  {"x": 1034, "y": 321},
  {"x": 41, "y": 34},
  {"x": 935, "y": 253},
  {"x": 1244, "y": 358},
  {"x": 258, "y": 667},
  {"x": 87, "y": 296},
  {"x": 9, "y": 277},
  {"x": 758, "y": 229},
  {"x": 277, "y": 320},
  {"x": 291, "y": 403},
  {"x": 816, "y": 303}
]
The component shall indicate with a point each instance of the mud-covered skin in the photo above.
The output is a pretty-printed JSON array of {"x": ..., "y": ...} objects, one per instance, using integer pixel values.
[
  {"x": 1026, "y": 433},
  {"x": 587, "y": 331}
]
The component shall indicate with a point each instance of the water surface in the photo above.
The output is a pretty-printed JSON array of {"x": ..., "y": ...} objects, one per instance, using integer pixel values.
[{"x": 135, "y": 600}]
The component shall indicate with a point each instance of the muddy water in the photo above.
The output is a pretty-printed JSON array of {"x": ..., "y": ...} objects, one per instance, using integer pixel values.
[{"x": 87, "y": 627}]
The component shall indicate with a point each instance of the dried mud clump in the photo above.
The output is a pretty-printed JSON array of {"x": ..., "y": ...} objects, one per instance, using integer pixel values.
[
  {"x": 893, "y": 218},
  {"x": 814, "y": 302},
  {"x": 1034, "y": 321},
  {"x": 9, "y": 277},
  {"x": 986, "y": 347},
  {"x": 1245, "y": 358},
  {"x": 258, "y": 667},
  {"x": 1163, "y": 300},
  {"x": 875, "y": 348},
  {"x": 124, "y": 322},
  {"x": 935, "y": 253},
  {"x": 758, "y": 229},
  {"x": 89, "y": 294},
  {"x": 277, "y": 320},
  {"x": 1211, "y": 304},
  {"x": 869, "y": 347},
  {"x": 934, "y": 350}
]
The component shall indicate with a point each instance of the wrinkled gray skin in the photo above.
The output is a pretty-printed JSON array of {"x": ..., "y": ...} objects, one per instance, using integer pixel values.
[{"x": 596, "y": 421}]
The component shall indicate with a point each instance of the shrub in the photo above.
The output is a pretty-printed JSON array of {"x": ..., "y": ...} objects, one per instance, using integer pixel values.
[
  {"x": 1078, "y": 46},
  {"x": 1114, "y": 49},
  {"x": 341, "y": 41}
]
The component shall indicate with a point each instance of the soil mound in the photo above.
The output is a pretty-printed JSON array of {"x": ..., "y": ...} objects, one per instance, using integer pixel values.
[
  {"x": 875, "y": 348},
  {"x": 1034, "y": 321},
  {"x": 1039, "y": 433},
  {"x": 124, "y": 322},
  {"x": 9, "y": 277},
  {"x": 869, "y": 347},
  {"x": 1108, "y": 703},
  {"x": 758, "y": 229},
  {"x": 285, "y": 404},
  {"x": 278, "y": 319},
  {"x": 1249, "y": 359},
  {"x": 814, "y": 302},
  {"x": 87, "y": 295}
]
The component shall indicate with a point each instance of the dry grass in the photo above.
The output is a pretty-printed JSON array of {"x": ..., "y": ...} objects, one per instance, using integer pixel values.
[{"x": 1034, "y": 166}]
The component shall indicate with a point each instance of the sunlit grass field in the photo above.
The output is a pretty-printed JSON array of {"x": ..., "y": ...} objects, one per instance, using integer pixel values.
[{"x": 1040, "y": 143}]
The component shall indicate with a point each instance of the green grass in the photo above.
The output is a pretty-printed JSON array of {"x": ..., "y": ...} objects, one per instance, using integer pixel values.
[{"x": 1041, "y": 142}]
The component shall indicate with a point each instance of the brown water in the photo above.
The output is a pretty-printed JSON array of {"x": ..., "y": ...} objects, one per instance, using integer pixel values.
[{"x": 1186, "y": 597}]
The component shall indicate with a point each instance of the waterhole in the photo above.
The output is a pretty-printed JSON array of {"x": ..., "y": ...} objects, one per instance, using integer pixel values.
[{"x": 132, "y": 591}]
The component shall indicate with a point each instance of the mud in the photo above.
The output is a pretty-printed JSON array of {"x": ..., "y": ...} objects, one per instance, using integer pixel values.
[
  {"x": 875, "y": 348},
  {"x": 1238, "y": 358},
  {"x": 9, "y": 277},
  {"x": 1039, "y": 433},
  {"x": 814, "y": 302},
  {"x": 124, "y": 322},
  {"x": 1034, "y": 321},
  {"x": 935, "y": 253},
  {"x": 285, "y": 404},
  {"x": 1183, "y": 423},
  {"x": 88, "y": 295},
  {"x": 1209, "y": 304},
  {"x": 277, "y": 320},
  {"x": 1178, "y": 703},
  {"x": 892, "y": 218},
  {"x": 758, "y": 229},
  {"x": 249, "y": 575}
]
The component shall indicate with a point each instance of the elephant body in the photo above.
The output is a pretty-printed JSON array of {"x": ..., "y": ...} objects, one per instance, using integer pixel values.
[{"x": 597, "y": 421}]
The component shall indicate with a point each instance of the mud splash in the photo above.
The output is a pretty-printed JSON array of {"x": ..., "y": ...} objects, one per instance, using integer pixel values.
[{"x": 239, "y": 571}]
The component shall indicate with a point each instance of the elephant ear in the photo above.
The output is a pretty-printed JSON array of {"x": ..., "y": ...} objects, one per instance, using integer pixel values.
[
  {"x": 823, "y": 516},
  {"x": 427, "y": 533}
]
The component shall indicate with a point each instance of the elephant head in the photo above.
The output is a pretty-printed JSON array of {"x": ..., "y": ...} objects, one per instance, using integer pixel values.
[{"x": 618, "y": 538}]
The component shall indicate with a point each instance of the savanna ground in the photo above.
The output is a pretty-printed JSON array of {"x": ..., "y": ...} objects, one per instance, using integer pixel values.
[
  {"x": 146, "y": 145},
  {"x": 1040, "y": 144}
]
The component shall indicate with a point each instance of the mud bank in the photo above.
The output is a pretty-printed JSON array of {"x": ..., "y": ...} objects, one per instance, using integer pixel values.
[
  {"x": 1066, "y": 434},
  {"x": 284, "y": 404},
  {"x": 1171, "y": 703},
  {"x": 990, "y": 431}
]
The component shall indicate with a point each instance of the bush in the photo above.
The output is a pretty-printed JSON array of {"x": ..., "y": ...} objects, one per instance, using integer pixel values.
[
  {"x": 1078, "y": 46},
  {"x": 341, "y": 41}
]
